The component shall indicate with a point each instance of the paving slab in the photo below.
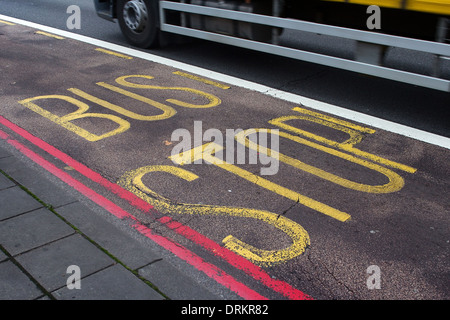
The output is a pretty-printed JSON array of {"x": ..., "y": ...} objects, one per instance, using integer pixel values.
[
  {"x": 175, "y": 284},
  {"x": 109, "y": 236},
  {"x": 15, "y": 285},
  {"x": 14, "y": 201},
  {"x": 4, "y": 153},
  {"x": 5, "y": 182},
  {"x": 3, "y": 256},
  {"x": 35, "y": 182},
  {"x": 32, "y": 230},
  {"x": 48, "y": 264},
  {"x": 112, "y": 283}
]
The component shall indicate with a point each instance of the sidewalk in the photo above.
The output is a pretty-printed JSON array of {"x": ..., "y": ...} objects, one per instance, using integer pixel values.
[{"x": 45, "y": 227}]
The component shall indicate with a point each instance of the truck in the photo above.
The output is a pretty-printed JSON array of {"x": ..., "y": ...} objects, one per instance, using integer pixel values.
[{"x": 375, "y": 26}]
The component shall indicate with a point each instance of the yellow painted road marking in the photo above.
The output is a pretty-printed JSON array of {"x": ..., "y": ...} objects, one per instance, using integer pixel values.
[
  {"x": 49, "y": 35},
  {"x": 64, "y": 121},
  {"x": 167, "y": 110},
  {"x": 132, "y": 181},
  {"x": 200, "y": 79},
  {"x": 213, "y": 100},
  {"x": 395, "y": 183},
  {"x": 123, "y": 125},
  {"x": 341, "y": 125},
  {"x": 7, "y": 22},
  {"x": 334, "y": 120},
  {"x": 205, "y": 152},
  {"x": 114, "y": 53}
]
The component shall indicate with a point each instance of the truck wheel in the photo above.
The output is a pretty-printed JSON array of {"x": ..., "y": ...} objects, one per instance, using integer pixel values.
[{"x": 138, "y": 20}]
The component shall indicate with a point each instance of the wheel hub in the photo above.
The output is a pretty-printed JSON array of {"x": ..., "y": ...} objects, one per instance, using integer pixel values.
[{"x": 135, "y": 15}]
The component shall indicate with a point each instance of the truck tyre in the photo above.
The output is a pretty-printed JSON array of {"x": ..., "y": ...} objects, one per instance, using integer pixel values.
[{"x": 138, "y": 20}]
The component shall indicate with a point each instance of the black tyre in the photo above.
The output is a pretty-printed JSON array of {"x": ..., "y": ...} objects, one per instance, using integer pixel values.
[{"x": 138, "y": 20}]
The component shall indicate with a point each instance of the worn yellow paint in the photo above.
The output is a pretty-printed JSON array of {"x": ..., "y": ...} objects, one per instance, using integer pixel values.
[
  {"x": 168, "y": 111},
  {"x": 81, "y": 112},
  {"x": 356, "y": 134},
  {"x": 49, "y": 35},
  {"x": 204, "y": 152},
  {"x": 120, "y": 55},
  {"x": 203, "y": 80},
  {"x": 132, "y": 181},
  {"x": 334, "y": 120},
  {"x": 65, "y": 121},
  {"x": 395, "y": 183},
  {"x": 213, "y": 100},
  {"x": 7, "y": 22}
]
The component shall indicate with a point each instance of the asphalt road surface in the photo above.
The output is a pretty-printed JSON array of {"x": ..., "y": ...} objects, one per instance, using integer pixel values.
[
  {"x": 414, "y": 106},
  {"x": 350, "y": 211}
]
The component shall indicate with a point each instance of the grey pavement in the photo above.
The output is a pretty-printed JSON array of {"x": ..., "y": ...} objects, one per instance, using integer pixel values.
[{"x": 46, "y": 227}]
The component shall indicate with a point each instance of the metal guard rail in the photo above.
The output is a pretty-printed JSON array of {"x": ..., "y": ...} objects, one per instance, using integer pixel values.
[{"x": 436, "y": 48}]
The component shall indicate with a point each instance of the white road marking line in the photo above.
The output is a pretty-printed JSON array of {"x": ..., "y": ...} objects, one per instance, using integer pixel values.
[{"x": 372, "y": 121}]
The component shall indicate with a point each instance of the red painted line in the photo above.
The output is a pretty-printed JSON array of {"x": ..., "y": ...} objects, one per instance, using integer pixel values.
[
  {"x": 209, "y": 269},
  {"x": 81, "y": 168},
  {"x": 236, "y": 260},
  {"x": 4, "y": 135},
  {"x": 232, "y": 258}
]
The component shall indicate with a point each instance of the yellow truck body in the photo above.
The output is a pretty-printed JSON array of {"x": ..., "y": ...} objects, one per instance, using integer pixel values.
[{"x": 439, "y": 7}]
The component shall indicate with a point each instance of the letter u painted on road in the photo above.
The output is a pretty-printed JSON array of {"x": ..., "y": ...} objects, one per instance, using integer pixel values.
[{"x": 213, "y": 101}]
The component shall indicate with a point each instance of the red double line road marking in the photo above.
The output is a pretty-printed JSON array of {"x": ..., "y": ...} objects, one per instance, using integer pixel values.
[{"x": 211, "y": 270}]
